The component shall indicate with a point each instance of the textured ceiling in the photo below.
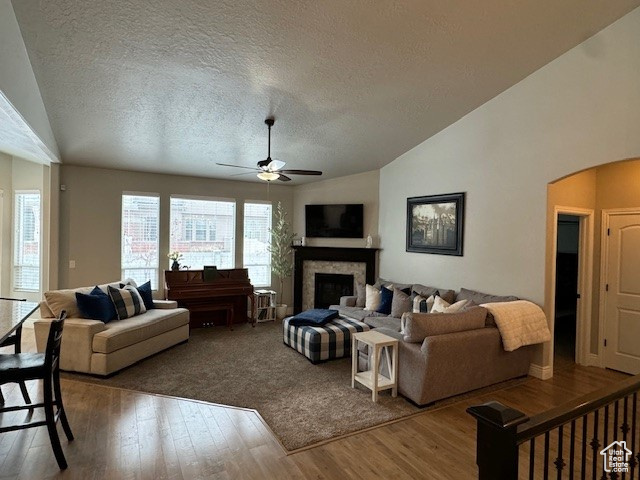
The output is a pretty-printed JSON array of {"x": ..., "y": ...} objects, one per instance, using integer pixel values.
[{"x": 175, "y": 86}]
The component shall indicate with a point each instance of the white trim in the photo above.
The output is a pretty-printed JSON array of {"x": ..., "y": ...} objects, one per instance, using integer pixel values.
[
  {"x": 538, "y": 371},
  {"x": 593, "y": 360},
  {"x": 585, "y": 281},
  {"x": 140, "y": 194},
  {"x": 604, "y": 271},
  {"x": 203, "y": 197}
]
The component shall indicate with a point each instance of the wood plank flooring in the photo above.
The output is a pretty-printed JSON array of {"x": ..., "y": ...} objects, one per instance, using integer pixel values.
[{"x": 123, "y": 434}]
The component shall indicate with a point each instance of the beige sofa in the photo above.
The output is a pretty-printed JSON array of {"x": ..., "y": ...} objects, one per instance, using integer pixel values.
[{"x": 91, "y": 346}]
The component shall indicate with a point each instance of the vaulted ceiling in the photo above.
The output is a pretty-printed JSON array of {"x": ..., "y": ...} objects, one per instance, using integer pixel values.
[{"x": 176, "y": 86}]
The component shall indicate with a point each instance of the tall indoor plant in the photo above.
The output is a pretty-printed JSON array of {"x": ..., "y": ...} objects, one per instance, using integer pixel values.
[{"x": 281, "y": 252}]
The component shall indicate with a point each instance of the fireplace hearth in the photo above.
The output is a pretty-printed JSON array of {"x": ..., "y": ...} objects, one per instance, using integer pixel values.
[{"x": 329, "y": 287}]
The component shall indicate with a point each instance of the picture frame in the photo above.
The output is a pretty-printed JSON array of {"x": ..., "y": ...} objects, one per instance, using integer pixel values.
[{"x": 435, "y": 224}]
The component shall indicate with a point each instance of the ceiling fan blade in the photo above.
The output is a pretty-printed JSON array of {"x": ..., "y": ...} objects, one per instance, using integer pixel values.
[
  {"x": 301, "y": 172},
  {"x": 275, "y": 165},
  {"x": 283, "y": 178},
  {"x": 243, "y": 173},
  {"x": 238, "y": 166}
]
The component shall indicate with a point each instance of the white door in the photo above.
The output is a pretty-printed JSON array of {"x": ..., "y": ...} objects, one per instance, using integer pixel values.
[{"x": 622, "y": 303}]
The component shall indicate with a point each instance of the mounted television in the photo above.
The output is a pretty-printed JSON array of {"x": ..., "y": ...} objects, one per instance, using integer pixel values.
[{"x": 336, "y": 221}]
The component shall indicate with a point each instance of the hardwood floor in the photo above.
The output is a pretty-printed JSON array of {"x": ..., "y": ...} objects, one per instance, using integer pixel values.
[{"x": 123, "y": 434}]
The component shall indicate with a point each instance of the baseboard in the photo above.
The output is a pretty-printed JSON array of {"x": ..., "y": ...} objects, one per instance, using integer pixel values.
[
  {"x": 538, "y": 371},
  {"x": 593, "y": 360}
]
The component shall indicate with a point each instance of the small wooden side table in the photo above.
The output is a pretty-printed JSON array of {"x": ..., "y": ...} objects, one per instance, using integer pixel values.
[{"x": 372, "y": 378}]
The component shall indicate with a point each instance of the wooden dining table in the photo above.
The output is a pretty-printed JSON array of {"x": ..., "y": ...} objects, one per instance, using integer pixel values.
[{"x": 13, "y": 313}]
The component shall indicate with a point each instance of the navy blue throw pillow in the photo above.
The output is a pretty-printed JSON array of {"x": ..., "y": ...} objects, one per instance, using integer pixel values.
[
  {"x": 145, "y": 292},
  {"x": 386, "y": 298},
  {"x": 96, "y": 306},
  {"x": 315, "y": 316}
]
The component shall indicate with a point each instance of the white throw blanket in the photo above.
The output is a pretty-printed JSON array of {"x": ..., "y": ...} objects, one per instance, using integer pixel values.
[{"x": 520, "y": 323}]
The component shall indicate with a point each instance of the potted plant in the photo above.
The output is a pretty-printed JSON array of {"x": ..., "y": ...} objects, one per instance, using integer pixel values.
[{"x": 281, "y": 253}]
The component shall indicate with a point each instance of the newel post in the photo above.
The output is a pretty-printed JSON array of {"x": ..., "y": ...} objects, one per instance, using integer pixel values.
[{"x": 497, "y": 448}]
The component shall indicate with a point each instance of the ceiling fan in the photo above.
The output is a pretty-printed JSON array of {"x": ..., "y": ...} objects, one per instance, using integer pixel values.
[{"x": 269, "y": 169}]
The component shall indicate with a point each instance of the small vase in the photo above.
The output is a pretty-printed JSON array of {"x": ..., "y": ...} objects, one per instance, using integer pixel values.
[{"x": 175, "y": 265}]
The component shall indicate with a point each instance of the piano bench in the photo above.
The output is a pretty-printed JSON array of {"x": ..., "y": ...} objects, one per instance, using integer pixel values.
[{"x": 228, "y": 307}]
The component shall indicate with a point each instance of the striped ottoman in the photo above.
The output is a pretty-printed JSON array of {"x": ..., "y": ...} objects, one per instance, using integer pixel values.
[{"x": 327, "y": 342}]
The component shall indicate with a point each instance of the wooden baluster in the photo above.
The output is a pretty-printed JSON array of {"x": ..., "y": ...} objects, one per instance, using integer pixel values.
[
  {"x": 595, "y": 444},
  {"x": 572, "y": 448},
  {"x": 545, "y": 472},
  {"x": 559, "y": 462},
  {"x": 532, "y": 457},
  {"x": 635, "y": 458},
  {"x": 583, "y": 465},
  {"x": 606, "y": 436}
]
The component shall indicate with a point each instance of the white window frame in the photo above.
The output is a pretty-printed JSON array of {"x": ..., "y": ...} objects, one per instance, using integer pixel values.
[
  {"x": 14, "y": 242},
  {"x": 155, "y": 282},
  {"x": 256, "y": 202}
]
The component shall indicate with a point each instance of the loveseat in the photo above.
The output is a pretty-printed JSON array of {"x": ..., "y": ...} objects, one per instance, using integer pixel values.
[
  {"x": 448, "y": 354},
  {"x": 95, "y": 347}
]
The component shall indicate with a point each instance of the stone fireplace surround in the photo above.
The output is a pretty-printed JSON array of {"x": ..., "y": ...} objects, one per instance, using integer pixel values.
[{"x": 360, "y": 262}]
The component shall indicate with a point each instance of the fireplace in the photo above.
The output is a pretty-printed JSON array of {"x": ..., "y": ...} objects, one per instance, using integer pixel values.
[
  {"x": 329, "y": 287},
  {"x": 358, "y": 264}
]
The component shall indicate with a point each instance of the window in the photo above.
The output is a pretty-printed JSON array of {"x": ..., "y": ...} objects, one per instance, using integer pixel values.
[
  {"x": 203, "y": 231},
  {"x": 140, "y": 225},
  {"x": 257, "y": 236},
  {"x": 26, "y": 253}
]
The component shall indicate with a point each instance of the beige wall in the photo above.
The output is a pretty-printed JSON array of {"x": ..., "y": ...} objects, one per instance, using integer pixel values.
[
  {"x": 90, "y": 211},
  {"x": 361, "y": 188},
  {"x": 577, "y": 191},
  {"x": 579, "y": 111},
  {"x": 5, "y": 225}
]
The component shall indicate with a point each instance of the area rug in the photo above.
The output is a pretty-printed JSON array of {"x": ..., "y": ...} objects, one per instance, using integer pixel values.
[{"x": 302, "y": 403}]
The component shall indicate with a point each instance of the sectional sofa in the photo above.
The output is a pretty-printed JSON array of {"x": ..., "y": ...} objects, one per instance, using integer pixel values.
[{"x": 446, "y": 354}]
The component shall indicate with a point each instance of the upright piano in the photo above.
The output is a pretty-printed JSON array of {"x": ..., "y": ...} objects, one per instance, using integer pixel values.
[{"x": 203, "y": 292}]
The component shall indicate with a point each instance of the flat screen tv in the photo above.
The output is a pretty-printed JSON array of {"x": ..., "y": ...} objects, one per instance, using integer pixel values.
[{"x": 335, "y": 221}]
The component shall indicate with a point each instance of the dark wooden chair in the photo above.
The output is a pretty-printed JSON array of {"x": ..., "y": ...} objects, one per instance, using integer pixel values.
[
  {"x": 16, "y": 341},
  {"x": 20, "y": 367}
]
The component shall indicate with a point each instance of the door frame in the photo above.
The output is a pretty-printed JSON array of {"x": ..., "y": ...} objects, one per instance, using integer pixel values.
[
  {"x": 585, "y": 280},
  {"x": 604, "y": 272}
]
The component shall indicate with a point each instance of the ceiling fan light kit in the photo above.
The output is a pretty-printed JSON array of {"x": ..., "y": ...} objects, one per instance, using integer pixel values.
[
  {"x": 269, "y": 169},
  {"x": 268, "y": 176}
]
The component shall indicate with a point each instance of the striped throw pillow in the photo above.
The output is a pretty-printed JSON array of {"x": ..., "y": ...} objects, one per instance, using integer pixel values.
[{"x": 127, "y": 301}]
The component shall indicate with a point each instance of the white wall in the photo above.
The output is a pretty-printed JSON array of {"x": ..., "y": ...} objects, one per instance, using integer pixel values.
[
  {"x": 581, "y": 110},
  {"x": 17, "y": 81},
  {"x": 359, "y": 188}
]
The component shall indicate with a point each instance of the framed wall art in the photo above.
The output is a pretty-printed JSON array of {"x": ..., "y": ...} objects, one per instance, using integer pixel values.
[{"x": 435, "y": 224}]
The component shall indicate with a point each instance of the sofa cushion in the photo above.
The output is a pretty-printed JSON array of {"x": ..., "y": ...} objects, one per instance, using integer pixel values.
[
  {"x": 420, "y": 304},
  {"x": 355, "y": 313},
  {"x": 442, "y": 306},
  {"x": 425, "y": 291},
  {"x": 383, "y": 321},
  {"x": 373, "y": 298},
  {"x": 123, "y": 333},
  {"x": 127, "y": 301},
  {"x": 479, "y": 297},
  {"x": 401, "y": 302},
  {"x": 96, "y": 306},
  {"x": 147, "y": 297},
  {"x": 58, "y": 300},
  {"x": 386, "y": 298},
  {"x": 418, "y": 326}
]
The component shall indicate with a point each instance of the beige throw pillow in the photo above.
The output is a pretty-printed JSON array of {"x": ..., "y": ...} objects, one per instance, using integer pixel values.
[
  {"x": 418, "y": 299},
  {"x": 401, "y": 303},
  {"x": 372, "y": 301},
  {"x": 58, "y": 300},
  {"x": 417, "y": 326},
  {"x": 441, "y": 306}
]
